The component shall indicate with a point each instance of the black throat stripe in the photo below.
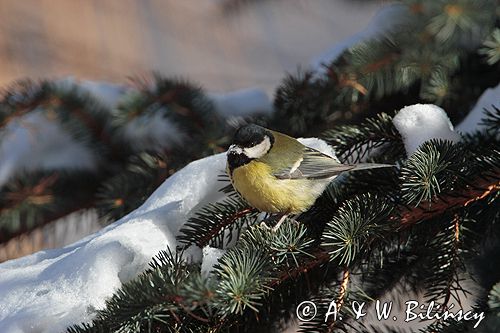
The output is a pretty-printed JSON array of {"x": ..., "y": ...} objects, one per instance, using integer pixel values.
[{"x": 235, "y": 160}]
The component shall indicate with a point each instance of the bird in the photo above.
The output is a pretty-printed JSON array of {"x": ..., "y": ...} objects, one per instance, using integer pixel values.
[{"x": 277, "y": 174}]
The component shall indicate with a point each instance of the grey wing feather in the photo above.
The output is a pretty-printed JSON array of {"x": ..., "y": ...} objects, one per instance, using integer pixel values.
[{"x": 314, "y": 165}]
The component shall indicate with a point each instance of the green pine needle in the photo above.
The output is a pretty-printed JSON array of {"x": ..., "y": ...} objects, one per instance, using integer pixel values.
[
  {"x": 494, "y": 299},
  {"x": 491, "y": 47},
  {"x": 360, "y": 220},
  {"x": 215, "y": 223},
  {"x": 241, "y": 281},
  {"x": 434, "y": 168},
  {"x": 352, "y": 143}
]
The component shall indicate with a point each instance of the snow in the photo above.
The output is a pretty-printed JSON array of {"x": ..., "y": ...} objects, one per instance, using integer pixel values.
[
  {"x": 386, "y": 19},
  {"x": 36, "y": 142},
  {"x": 242, "y": 102},
  {"x": 151, "y": 132},
  {"x": 422, "y": 122},
  {"x": 50, "y": 290},
  {"x": 193, "y": 254},
  {"x": 472, "y": 122},
  {"x": 211, "y": 256},
  {"x": 419, "y": 123},
  {"x": 107, "y": 93}
]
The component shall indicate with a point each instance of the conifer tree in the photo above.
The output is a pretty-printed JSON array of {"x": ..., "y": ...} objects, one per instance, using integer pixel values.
[{"x": 429, "y": 223}]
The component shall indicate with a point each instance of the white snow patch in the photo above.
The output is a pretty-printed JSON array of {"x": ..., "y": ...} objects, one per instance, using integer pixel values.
[
  {"x": 211, "y": 256},
  {"x": 107, "y": 93},
  {"x": 50, "y": 290},
  {"x": 37, "y": 142},
  {"x": 242, "y": 102},
  {"x": 419, "y": 123},
  {"x": 152, "y": 131},
  {"x": 472, "y": 122},
  {"x": 193, "y": 186},
  {"x": 193, "y": 254}
]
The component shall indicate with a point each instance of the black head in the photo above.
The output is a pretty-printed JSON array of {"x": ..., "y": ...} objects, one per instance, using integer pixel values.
[
  {"x": 251, "y": 135},
  {"x": 249, "y": 142}
]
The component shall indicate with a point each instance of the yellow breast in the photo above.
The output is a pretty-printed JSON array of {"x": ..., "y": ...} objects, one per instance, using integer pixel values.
[{"x": 256, "y": 184}]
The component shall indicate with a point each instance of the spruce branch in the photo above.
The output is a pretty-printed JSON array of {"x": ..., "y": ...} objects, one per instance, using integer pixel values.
[
  {"x": 491, "y": 119},
  {"x": 77, "y": 111},
  {"x": 153, "y": 302},
  {"x": 372, "y": 64},
  {"x": 249, "y": 276},
  {"x": 491, "y": 47},
  {"x": 301, "y": 104},
  {"x": 355, "y": 142},
  {"x": 241, "y": 281},
  {"x": 494, "y": 299},
  {"x": 341, "y": 298},
  {"x": 444, "y": 265},
  {"x": 482, "y": 187},
  {"x": 460, "y": 21},
  {"x": 437, "y": 87},
  {"x": 127, "y": 190},
  {"x": 318, "y": 258},
  {"x": 214, "y": 223},
  {"x": 436, "y": 167},
  {"x": 288, "y": 247},
  {"x": 32, "y": 201},
  {"x": 182, "y": 103},
  {"x": 358, "y": 220}
]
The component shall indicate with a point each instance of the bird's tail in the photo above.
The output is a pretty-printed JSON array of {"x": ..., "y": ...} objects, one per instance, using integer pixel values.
[{"x": 364, "y": 166}]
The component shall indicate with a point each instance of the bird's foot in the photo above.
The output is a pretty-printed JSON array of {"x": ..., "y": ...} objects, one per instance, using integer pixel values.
[{"x": 281, "y": 220}]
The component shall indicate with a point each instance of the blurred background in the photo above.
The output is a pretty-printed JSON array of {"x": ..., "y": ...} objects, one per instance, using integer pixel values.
[{"x": 221, "y": 44}]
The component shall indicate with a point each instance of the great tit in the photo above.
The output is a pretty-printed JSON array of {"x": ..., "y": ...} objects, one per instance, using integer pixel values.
[{"x": 275, "y": 173}]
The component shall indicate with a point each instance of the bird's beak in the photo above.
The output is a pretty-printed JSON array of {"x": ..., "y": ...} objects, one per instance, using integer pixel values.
[{"x": 234, "y": 149}]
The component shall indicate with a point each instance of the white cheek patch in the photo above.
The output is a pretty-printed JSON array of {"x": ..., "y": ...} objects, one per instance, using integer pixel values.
[{"x": 258, "y": 150}]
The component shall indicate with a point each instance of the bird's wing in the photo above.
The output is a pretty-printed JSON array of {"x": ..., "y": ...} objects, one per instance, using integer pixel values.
[{"x": 313, "y": 165}]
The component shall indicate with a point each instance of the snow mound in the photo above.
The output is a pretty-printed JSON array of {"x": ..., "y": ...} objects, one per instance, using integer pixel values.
[
  {"x": 50, "y": 290},
  {"x": 419, "y": 123},
  {"x": 472, "y": 122},
  {"x": 36, "y": 142}
]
